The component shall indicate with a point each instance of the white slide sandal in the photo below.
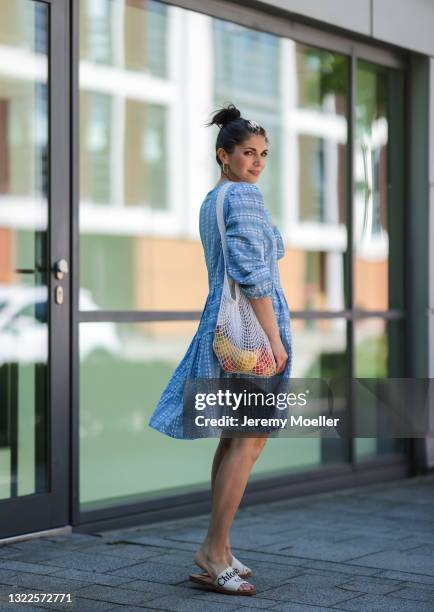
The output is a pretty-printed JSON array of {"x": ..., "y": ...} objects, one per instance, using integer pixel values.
[
  {"x": 227, "y": 582},
  {"x": 242, "y": 570}
]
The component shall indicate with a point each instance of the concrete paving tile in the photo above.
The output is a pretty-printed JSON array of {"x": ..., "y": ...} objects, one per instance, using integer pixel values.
[
  {"x": 320, "y": 578},
  {"x": 129, "y": 609},
  {"x": 245, "y": 538},
  {"x": 37, "y": 557},
  {"x": 383, "y": 543},
  {"x": 420, "y": 592},
  {"x": 80, "y": 604},
  {"x": 307, "y": 594},
  {"x": 92, "y": 562},
  {"x": 294, "y": 607},
  {"x": 416, "y": 495},
  {"x": 254, "y": 603},
  {"x": 78, "y": 546},
  {"x": 422, "y": 549},
  {"x": 115, "y": 595},
  {"x": 47, "y": 584},
  {"x": 253, "y": 556},
  {"x": 327, "y": 549},
  {"x": 393, "y": 560},
  {"x": 194, "y": 604},
  {"x": 38, "y": 544},
  {"x": 268, "y": 576},
  {"x": 415, "y": 513},
  {"x": 422, "y": 537},
  {"x": 7, "y": 607},
  {"x": 318, "y": 547},
  {"x": 373, "y": 585},
  {"x": 341, "y": 567},
  {"x": 354, "y": 505},
  {"x": 383, "y": 603},
  {"x": 174, "y": 557},
  {"x": 158, "y": 588},
  {"x": 162, "y": 543},
  {"x": 34, "y": 568},
  {"x": 90, "y": 577},
  {"x": 128, "y": 550},
  {"x": 7, "y": 574},
  {"x": 114, "y": 534},
  {"x": 355, "y": 529},
  {"x": 8, "y": 551},
  {"x": 160, "y": 527},
  {"x": 153, "y": 571},
  {"x": 74, "y": 536},
  {"x": 406, "y": 577}
]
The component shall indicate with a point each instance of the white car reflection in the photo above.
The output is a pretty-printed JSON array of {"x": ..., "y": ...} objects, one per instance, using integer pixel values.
[{"x": 23, "y": 332}]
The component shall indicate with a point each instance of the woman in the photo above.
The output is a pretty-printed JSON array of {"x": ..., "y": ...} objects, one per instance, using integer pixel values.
[{"x": 254, "y": 245}]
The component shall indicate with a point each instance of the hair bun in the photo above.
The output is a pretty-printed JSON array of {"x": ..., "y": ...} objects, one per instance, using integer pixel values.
[{"x": 225, "y": 115}]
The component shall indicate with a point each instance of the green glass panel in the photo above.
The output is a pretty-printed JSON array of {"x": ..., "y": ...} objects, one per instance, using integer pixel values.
[
  {"x": 379, "y": 353},
  {"x": 123, "y": 371}
]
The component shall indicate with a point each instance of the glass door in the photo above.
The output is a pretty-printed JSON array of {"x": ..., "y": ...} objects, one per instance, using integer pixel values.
[{"x": 34, "y": 267}]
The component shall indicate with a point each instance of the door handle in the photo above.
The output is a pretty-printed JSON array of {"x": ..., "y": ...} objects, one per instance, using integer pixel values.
[{"x": 61, "y": 268}]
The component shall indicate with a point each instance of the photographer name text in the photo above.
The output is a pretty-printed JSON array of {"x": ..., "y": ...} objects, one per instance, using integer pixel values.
[{"x": 294, "y": 421}]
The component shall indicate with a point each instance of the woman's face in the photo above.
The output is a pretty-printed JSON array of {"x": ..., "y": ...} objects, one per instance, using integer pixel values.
[{"x": 247, "y": 160}]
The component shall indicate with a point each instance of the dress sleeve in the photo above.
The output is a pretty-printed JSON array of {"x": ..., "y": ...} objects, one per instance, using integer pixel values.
[
  {"x": 279, "y": 242},
  {"x": 245, "y": 220}
]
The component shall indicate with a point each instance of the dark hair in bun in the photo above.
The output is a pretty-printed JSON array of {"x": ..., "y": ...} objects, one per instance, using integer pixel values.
[{"x": 234, "y": 129}]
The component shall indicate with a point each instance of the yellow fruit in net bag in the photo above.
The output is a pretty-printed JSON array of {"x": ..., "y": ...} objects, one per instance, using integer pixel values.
[
  {"x": 222, "y": 346},
  {"x": 245, "y": 360},
  {"x": 233, "y": 358}
]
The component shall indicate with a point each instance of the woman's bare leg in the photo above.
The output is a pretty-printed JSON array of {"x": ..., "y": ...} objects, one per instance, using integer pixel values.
[
  {"x": 229, "y": 485},
  {"x": 221, "y": 450}
]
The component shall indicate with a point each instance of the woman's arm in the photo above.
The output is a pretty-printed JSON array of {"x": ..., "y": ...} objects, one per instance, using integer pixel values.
[{"x": 264, "y": 311}]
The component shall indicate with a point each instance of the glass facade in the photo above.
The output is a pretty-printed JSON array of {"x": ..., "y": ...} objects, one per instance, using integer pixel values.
[
  {"x": 150, "y": 75},
  {"x": 121, "y": 209},
  {"x": 120, "y": 365},
  {"x": 379, "y": 117},
  {"x": 24, "y": 224}
]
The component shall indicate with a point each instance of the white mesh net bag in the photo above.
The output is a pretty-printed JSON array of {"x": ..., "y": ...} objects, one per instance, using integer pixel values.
[{"x": 240, "y": 343}]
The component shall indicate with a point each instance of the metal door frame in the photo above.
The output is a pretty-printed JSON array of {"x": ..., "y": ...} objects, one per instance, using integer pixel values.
[{"x": 42, "y": 511}]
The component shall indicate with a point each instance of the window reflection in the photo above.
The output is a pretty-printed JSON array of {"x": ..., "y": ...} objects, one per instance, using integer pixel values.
[
  {"x": 320, "y": 346},
  {"x": 130, "y": 35},
  {"x": 147, "y": 156},
  {"x": 150, "y": 74},
  {"x": 371, "y": 179}
]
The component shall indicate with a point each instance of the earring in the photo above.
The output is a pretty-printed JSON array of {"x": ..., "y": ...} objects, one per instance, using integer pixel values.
[{"x": 223, "y": 168}]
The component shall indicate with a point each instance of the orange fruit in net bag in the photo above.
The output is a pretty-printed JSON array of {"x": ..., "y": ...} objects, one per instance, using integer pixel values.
[{"x": 266, "y": 365}]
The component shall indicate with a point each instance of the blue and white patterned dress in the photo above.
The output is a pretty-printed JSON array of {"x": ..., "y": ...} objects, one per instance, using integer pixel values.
[{"x": 254, "y": 245}]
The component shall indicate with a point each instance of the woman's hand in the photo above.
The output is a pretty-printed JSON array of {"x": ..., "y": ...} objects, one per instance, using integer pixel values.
[
  {"x": 280, "y": 354},
  {"x": 264, "y": 311}
]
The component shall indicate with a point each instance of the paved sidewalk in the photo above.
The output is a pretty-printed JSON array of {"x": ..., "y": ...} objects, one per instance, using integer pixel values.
[{"x": 369, "y": 548}]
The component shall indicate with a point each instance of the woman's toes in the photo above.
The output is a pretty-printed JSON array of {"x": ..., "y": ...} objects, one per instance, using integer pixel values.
[{"x": 247, "y": 587}]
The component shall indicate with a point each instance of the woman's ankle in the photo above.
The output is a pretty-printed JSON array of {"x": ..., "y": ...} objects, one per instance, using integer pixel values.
[{"x": 213, "y": 551}]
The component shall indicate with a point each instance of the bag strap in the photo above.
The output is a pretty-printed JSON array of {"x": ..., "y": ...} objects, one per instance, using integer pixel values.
[
  {"x": 232, "y": 285},
  {"x": 220, "y": 217}
]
